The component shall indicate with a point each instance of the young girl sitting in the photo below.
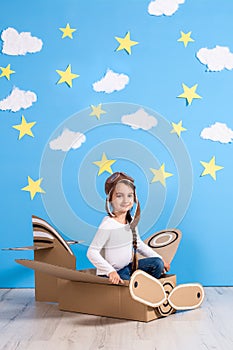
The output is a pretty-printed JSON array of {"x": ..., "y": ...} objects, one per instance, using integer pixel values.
[{"x": 117, "y": 236}]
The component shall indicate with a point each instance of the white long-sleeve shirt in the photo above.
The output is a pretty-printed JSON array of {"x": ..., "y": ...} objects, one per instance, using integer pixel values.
[{"x": 111, "y": 248}]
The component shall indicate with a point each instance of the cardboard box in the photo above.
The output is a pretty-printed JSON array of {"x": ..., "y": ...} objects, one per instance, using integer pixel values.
[{"x": 108, "y": 300}]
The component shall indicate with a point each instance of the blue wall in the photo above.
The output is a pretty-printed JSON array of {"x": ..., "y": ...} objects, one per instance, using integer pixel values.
[{"x": 74, "y": 198}]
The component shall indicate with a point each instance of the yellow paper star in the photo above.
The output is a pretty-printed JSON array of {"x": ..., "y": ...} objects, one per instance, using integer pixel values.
[
  {"x": 6, "y": 72},
  {"x": 177, "y": 128},
  {"x": 24, "y": 128},
  {"x": 125, "y": 43},
  {"x": 189, "y": 93},
  {"x": 160, "y": 175},
  {"x": 185, "y": 38},
  {"x": 104, "y": 164},
  {"x": 210, "y": 168},
  {"x": 66, "y": 76},
  {"x": 97, "y": 111},
  {"x": 33, "y": 187},
  {"x": 67, "y": 31}
]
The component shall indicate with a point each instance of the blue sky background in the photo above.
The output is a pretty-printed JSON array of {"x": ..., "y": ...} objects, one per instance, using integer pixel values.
[{"x": 157, "y": 68}]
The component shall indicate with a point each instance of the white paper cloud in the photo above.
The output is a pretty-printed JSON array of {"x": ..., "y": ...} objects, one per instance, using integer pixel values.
[
  {"x": 67, "y": 140},
  {"x": 164, "y": 7},
  {"x": 15, "y": 43},
  {"x": 139, "y": 120},
  {"x": 218, "y": 132},
  {"x": 111, "y": 82},
  {"x": 18, "y": 99},
  {"x": 216, "y": 59}
]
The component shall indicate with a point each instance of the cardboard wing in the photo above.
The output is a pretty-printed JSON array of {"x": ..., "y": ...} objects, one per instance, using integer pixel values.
[
  {"x": 32, "y": 247},
  {"x": 165, "y": 243},
  {"x": 65, "y": 273}
]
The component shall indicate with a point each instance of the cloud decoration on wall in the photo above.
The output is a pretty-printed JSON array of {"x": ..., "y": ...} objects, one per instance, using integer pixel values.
[
  {"x": 15, "y": 43},
  {"x": 111, "y": 82},
  {"x": 18, "y": 99},
  {"x": 218, "y": 132},
  {"x": 164, "y": 7},
  {"x": 216, "y": 59},
  {"x": 139, "y": 120},
  {"x": 67, "y": 140}
]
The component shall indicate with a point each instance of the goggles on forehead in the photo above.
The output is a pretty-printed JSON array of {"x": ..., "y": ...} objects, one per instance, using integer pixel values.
[
  {"x": 114, "y": 178},
  {"x": 116, "y": 175}
]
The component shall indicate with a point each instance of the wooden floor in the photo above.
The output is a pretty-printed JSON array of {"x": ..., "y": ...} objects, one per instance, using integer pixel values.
[{"x": 26, "y": 324}]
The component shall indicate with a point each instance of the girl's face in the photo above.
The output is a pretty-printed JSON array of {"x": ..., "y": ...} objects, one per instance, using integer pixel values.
[{"x": 122, "y": 198}]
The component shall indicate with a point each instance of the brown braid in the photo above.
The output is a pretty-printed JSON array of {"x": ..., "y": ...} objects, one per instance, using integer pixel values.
[{"x": 135, "y": 260}]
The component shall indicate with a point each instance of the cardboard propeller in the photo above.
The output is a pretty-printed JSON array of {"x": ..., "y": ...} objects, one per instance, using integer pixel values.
[{"x": 182, "y": 297}]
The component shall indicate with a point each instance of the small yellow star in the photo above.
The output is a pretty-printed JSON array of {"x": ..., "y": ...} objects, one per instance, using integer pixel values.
[
  {"x": 210, "y": 168},
  {"x": 24, "y": 128},
  {"x": 67, "y": 31},
  {"x": 177, "y": 128},
  {"x": 66, "y": 76},
  {"x": 185, "y": 38},
  {"x": 6, "y": 72},
  {"x": 189, "y": 93},
  {"x": 125, "y": 43},
  {"x": 33, "y": 187},
  {"x": 97, "y": 111},
  {"x": 160, "y": 175},
  {"x": 104, "y": 164}
]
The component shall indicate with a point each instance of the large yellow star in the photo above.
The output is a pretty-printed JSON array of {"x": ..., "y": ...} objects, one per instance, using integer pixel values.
[
  {"x": 125, "y": 43},
  {"x": 185, "y": 38},
  {"x": 104, "y": 164},
  {"x": 160, "y": 175},
  {"x": 6, "y": 72},
  {"x": 24, "y": 128},
  {"x": 189, "y": 93},
  {"x": 177, "y": 128},
  {"x": 67, "y": 31},
  {"x": 210, "y": 168},
  {"x": 97, "y": 111},
  {"x": 33, "y": 187},
  {"x": 66, "y": 76}
]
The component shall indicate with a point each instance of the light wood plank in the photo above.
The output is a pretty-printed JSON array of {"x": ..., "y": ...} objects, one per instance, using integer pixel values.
[{"x": 29, "y": 325}]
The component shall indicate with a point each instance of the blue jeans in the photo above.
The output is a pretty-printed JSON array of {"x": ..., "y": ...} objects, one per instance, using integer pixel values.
[{"x": 153, "y": 266}]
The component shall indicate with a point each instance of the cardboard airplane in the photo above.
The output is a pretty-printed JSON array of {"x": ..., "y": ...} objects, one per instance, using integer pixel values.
[{"x": 143, "y": 298}]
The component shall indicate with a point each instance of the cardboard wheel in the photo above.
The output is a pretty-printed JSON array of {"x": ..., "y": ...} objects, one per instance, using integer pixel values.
[
  {"x": 186, "y": 296},
  {"x": 146, "y": 289},
  {"x": 166, "y": 309}
]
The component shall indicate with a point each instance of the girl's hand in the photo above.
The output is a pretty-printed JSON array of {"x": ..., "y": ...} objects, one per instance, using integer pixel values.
[
  {"x": 114, "y": 278},
  {"x": 166, "y": 266}
]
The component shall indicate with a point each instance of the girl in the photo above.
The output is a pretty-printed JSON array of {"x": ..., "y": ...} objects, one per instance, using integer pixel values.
[{"x": 117, "y": 236}]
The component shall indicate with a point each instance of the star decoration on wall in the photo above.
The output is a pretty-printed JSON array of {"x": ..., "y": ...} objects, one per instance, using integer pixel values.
[
  {"x": 33, "y": 187},
  {"x": 104, "y": 164},
  {"x": 210, "y": 168},
  {"x": 125, "y": 43},
  {"x": 66, "y": 76},
  {"x": 160, "y": 175},
  {"x": 24, "y": 128},
  {"x": 185, "y": 38},
  {"x": 97, "y": 111},
  {"x": 189, "y": 93},
  {"x": 67, "y": 31},
  {"x": 177, "y": 128},
  {"x": 6, "y": 72}
]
